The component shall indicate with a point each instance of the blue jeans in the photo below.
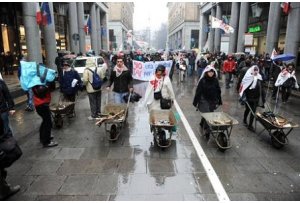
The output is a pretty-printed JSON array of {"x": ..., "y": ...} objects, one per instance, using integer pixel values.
[
  {"x": 119, "y": 97},
  {"x": 6, "y": 127},
  {"x": 30, "y": 98}
]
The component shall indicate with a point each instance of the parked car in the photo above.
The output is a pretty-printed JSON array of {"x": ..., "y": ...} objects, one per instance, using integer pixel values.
[{"x": 79, "y": 64}]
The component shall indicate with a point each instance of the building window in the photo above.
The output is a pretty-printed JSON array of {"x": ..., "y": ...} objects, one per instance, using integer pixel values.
[{"x": 194, "y": 39}]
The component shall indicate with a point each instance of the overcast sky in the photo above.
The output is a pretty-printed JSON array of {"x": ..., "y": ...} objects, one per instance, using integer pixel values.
[{"x": 149, "y": 12}]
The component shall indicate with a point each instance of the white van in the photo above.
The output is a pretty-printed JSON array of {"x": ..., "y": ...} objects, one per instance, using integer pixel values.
[{"x": 79, "y": 63}]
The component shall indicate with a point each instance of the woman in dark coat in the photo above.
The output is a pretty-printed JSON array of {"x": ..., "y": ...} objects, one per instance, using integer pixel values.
[
  {"x": 251, "y": 89},
  {"x": 208, "y": 92}
]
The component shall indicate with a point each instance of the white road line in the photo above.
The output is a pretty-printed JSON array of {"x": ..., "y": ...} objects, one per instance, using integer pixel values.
[{"x": 215, "y": 181}]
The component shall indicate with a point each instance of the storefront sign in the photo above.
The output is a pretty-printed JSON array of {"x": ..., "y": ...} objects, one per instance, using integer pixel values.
[
  {"x": 254, "y": 29},
  {"x": 145, "y": 70},
  {"x": 248, "y": 39}
]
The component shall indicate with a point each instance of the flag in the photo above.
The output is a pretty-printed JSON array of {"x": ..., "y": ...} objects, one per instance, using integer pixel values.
[
  {"x": 216, "y": 23},
  {"x": 88, "y": 26},
  {"x": 274, "y": 53},
  {"x": 46, "y": 15},
  {"x": 286, "y": 7},
  {"x": 38, "y": 14}
]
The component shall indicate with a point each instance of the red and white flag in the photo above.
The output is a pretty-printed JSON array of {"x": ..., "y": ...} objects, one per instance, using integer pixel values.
[
  {"x": 217, "y": 23},
  {"x": 38, "y": 14},
  {"x": 286, "y": 7},
  {"x": 274, "y": 53}
]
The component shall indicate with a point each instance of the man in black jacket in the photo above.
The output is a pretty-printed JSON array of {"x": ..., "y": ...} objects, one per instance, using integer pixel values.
[
  {"x": 6, "y": 106},
  {"x": 122, "y": 80},
  {"x": 5, "y": 189}
]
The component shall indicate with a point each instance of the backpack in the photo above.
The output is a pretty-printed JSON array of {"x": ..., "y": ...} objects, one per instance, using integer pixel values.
[{"x": 97, "y": 82}]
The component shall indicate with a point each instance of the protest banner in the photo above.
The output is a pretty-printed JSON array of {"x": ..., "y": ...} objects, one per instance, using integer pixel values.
[{"x": 145, "y": 70}]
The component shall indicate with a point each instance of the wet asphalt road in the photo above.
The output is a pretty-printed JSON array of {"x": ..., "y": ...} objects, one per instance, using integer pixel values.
[{"x": 86, "y": 166}]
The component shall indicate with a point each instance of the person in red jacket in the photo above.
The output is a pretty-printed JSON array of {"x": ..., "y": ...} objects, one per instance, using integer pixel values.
[
  {"x": 229, "y": 67},
  {"x": 42, "y": 99}
]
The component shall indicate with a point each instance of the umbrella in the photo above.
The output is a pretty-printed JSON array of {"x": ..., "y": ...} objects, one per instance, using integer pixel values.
[{"x": 284, "y": 57}]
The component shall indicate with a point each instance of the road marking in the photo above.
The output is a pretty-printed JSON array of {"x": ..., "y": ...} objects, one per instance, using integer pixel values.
[{"x": 214, "y": 180}]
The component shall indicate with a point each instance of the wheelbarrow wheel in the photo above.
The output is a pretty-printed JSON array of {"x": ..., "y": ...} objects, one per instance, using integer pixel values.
[
  {"x": 280, "y": 137},
  {"x": 163, "y": 138},
  {"x": 58, "y": 121},
  {"x": 222, "y": 140},
  {"x": 113, "y": 132}
]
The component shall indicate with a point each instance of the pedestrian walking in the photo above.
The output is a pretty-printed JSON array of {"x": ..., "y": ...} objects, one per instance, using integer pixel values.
[
  {"x": 9, "y": 60},
  {"x": 182, "y": 69},
  {"x": 29, "y": 93},
  {"x": 208, "y": 94},
  {"x": 7, "y": 106},
  {"x": 91, "y": 75},
  {"x": 122, "y": 81},
  {"x": 70, "y": 82},
  {"x": 42, "y": 99},
  {"x": 252, "y": 93},
  {"x": 229, "y": 68},
  {"x": 9, "y": 153},
  {"x": 201, "y": 65},
  {"x": 275, "y": 70},
  {"x": 287, "y": 81},
  {"x": 159, "y": 87}
]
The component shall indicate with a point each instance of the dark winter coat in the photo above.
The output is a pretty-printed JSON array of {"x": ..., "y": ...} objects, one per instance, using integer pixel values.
[
  {"x": 121, "y": 83},
  {"x": 257, "y": 94},
  {"x": 65, "y": 82},
  {"x": 209, "y": 91},
  {"x": 6, "y": 101}
]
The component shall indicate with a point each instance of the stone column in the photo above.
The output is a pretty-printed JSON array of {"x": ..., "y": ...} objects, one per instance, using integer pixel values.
[
  {"x": 98, "y": 28},
  {"x": 73, "y": 31},
  {"x": 243, "y": 25},
  {"x": 94, "y": 43},
  {"x": 106, "y": 39},
  {"x": 49, "y": 41},
  {"x": 80, "y": 18},
  {"x": 292, "y": 38},
  {"x": 33, "y": 42},
  {"x": 234, "y": 22},
  {"x": 273, "y": 27},
  {"x": 217, "y": 42},
  {"x": 211, "y": 34},
  {"x": 203, "y": 30}
]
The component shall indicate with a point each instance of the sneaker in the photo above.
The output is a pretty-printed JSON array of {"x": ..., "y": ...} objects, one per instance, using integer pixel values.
[
  {"x": 11, "y": 191},
  {"x": 29, "y": 109},
  {"x": 51, "y": 144},
  {"x": 245, "y": 122},
  {"x": 90, "y": 118}
]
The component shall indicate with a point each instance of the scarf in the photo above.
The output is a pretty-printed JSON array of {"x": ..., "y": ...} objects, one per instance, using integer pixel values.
[
  {"x": 119, "y": 71},
  {"x": 254, "y": 82},
  {"x": 282, "y": 77},
  {"x": 157, "y": 83},
  {"x": 248, "y": 79}
]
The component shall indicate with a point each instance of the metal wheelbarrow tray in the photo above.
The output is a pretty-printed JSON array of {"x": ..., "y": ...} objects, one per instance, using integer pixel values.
[
  {"x": 278, "y": 128},
  {"x": 59, "y": 110},
  {"x": 115, "y": 117},
  {"x": 219, "y": 125},
  {"x": 161, "y": 120}
]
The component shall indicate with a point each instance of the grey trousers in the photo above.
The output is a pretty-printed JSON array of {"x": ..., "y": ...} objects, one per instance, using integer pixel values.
[{"x": 95, "y": 103}]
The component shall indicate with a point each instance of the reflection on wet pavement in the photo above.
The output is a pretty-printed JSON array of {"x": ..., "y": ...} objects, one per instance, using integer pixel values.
[{"x": 86, "y": 166}]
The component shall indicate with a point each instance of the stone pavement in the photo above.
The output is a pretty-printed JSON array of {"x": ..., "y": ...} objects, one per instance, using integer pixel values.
[{"x": 86, "y": 166}]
